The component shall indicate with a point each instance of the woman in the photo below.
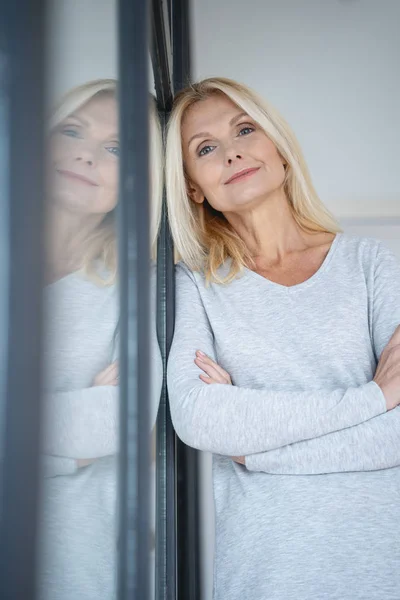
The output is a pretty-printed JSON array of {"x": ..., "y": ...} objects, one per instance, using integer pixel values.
[
  {"x": 278, "y": 365},
  {"x": 80, "y": 446}
]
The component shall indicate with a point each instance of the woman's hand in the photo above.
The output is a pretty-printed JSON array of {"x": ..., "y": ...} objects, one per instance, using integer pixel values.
[
  {"x": 109, "y": 376},
  {"x": 84, "y": 462},
  {"x": 214, "y": 373},
  {"x": 239, "y": 459},
  {"x": 387, "y": 374}
]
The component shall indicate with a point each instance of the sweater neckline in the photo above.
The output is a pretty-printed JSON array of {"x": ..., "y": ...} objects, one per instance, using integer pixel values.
[{"x": 304, "y": 284}]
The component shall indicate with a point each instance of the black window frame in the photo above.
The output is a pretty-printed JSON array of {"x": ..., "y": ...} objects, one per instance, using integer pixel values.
[
  {"x": 163, "y": 26},
  {"x": 177, "y": 535}
]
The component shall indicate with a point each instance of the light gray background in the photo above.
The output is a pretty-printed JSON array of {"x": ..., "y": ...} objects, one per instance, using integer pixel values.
[{"x": 330, "y": 67}]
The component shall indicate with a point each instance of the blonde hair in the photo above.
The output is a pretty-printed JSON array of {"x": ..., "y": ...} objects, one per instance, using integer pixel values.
[
  {"x": 101, "y": 246},
  {"x": 203, "y": 237}
]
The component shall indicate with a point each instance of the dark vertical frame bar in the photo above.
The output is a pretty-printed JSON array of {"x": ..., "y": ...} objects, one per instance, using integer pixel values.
[
  {"x": 22, "y": 63},
  {"x": 188, "y": 514},
  {"x": 166, "y": 547},
  {"x": 134, "y": 277},
  {"x": 177, "y": 541},
  {"x": 166, "y": 540},
  {"x": 161, "y": 54}
]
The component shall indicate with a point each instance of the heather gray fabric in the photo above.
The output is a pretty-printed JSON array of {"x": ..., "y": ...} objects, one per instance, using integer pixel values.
[
  {"x": 78, "y": 526},
  {"x": 302, "y": 360},
  {"x": 79, "y": 517}
]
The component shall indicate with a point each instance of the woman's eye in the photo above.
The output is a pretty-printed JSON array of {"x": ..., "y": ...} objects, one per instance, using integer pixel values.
[
  {"x": 71, "y": 132},
  {"x": 113, "y": 150},
  {"x": 206, "y": 150},
  {"x": 246, "y": 130}
]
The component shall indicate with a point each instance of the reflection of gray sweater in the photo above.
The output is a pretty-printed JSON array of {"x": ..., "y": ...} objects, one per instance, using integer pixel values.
[
  {"x": 314, "y": 512},
  {"x": 79, "y": 520}
]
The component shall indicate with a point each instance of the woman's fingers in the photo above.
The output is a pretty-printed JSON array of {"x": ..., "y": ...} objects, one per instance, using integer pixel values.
[
  {"x": 207, "y": 379},
  {"x": 212, "y": 369},
  {"x": 112, "y": 369},
  {"x": 108, "y": 376},
  {"x": 113, "y": 373},
  {"x": 207, "y": 360}
]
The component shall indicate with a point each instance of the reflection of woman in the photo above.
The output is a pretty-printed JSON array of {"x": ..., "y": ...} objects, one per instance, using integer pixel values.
[
  {"x": 81, "y": 396},
  {"x": 279, "y": 359}
]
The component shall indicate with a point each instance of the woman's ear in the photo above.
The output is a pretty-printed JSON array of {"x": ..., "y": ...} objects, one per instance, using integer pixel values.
[
  {"x": 283, "y": 161},
  {"x": 194, "y": 192}
]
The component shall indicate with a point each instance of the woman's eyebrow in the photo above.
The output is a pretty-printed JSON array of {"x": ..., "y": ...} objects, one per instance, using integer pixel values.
[
  {"x": 238, "y": 117},
  {"x": 206, "y": 134},
  {"x": 83, "y": 121},
  {"x": 199, "y": 135}
]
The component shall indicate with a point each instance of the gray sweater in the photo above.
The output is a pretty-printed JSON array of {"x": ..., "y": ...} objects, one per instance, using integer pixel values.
[
  {"x": 313, "y": 514},
  {"x": 79, "y": 516}
]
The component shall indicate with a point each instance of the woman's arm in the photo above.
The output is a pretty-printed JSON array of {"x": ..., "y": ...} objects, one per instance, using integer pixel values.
[
  {"x": 237, "y": 421},
  {"x": 53, "y": 466},
  {"x": 82, "y": 424},
  {"x": 369, "y": 446}
]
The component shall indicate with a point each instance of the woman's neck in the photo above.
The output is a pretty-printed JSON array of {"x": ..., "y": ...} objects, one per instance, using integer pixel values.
[
  {"x": 269, "y": 231},
  {"x": 66, "y": 241}
]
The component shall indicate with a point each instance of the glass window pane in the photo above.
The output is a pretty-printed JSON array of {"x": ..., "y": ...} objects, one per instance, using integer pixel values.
[
  {"x": 82, "y": 468},
  {"x": 80, "y": 442}
]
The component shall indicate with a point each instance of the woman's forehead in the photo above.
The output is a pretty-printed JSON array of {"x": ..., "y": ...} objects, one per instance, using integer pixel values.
[
  {"x": 209, "y": 113},
  {"x": 215, "y": 103},
  {"x": 101, "y": 110}
]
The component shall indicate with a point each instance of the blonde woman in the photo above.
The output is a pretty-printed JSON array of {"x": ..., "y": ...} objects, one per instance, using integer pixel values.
[
  {"x": 286, "y": 359},
  {"x": 81, "y": 396}
]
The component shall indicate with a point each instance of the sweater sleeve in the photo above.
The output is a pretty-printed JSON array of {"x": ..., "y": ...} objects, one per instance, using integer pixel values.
[
  {"x": 372, "y": 445},
  {"x": 82, "y": 423},
  {"x": 156, "y": 363},
  {"x": 369, "y": 446},
  {"x": 53, "y": 466},
  {"x": 236, "y": 421}
]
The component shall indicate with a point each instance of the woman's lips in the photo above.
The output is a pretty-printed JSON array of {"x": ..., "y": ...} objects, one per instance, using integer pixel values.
[
  {"x": 243, "y": 174},
  {"x": 77, "y": 176}
]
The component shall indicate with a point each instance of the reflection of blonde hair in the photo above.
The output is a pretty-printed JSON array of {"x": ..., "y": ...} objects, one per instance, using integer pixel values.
[
  {"x": 203, "y": 237},
  {"x": 102, "y": 245}
]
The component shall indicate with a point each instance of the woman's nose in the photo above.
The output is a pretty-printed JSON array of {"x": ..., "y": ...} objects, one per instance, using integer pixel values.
[
  {"x": 232, "y": 154},
  {"x": 233, "y": 157},
  {"x": 85, "y": 156}
]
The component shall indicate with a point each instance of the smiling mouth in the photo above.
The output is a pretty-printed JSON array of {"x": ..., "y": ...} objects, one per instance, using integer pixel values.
[
  {"x": 242, "y": 175},
  {"x": 77, "y": 177}
]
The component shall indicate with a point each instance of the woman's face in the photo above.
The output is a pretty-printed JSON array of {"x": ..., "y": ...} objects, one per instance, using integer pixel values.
[
  {"x": 83, "y": 158},
  {"x": 228, "y": 158}
]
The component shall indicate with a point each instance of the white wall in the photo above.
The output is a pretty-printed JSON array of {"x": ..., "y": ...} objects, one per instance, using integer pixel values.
[
  {"x": 82, "y": 43},
  {"x": 330, "y": 67}
]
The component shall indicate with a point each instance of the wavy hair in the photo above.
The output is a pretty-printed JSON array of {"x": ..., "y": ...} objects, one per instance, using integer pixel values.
[{"x": 203, "y": 237}]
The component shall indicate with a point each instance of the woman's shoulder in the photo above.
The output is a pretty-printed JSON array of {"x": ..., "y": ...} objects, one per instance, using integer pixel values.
[
  {"x": 368, "y": 251},
  {"x": 95, "y": 286},
  {"x": 183, "y": 271}
]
